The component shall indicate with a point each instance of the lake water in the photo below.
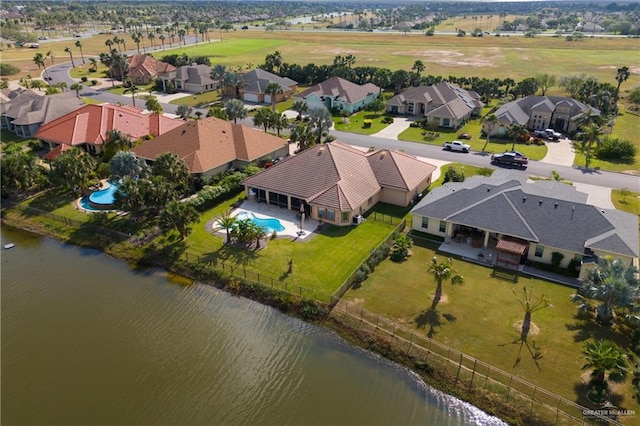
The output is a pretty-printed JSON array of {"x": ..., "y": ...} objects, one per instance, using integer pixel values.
[{"x": 87, "y": 341}]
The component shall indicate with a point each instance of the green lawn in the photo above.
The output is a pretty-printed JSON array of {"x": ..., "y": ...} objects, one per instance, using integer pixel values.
[
  {"x": 321, "y": 263},
  {"x": 480, "y": 318},
  {"x": 119, "y": 89},
  {"x": 355, "y": 123},
  {"x": 417, "y": 134},
  {"x": 7, "y": 137},
  {"x": 200, "y": 100}
]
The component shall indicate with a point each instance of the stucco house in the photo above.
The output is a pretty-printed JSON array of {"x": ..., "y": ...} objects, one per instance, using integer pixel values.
[
  {"x": 527, "y": 222},
  {"x": 194, "y": 78},
  {"x": 87, "y": 127},
  {"x": 144, "y": 68},
  {"x": 443, "y": 105},
  {"x": 335, "y": 182},
  {"x": 540, "y": 112},
  {"x": 340, "y": 94},
  {"x": 26, "y": 112},
  {"x": 211, "y": 146},
  {"x": 256, "y": 81}
]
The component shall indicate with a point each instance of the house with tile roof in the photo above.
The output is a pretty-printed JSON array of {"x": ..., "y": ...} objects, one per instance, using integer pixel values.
[
  {"x": 24, "y": 113},
  {"x": 443, "y": 104},
  {"x": 256, "y": 81},
  {"x": 194, "y": 78},
  {"x": 87, "y": 127},
  {"x": 211, "y": 146},
  {"x": 527, "y": 222},
  {"x": 335, "y": 182},
  {"x": 338, "y": 93},
  {"x": 144, "y": 68},
  {"x": 540, "y": 112}
]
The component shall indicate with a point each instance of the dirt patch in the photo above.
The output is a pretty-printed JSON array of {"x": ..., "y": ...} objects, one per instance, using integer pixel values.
[
  {"x": 534, "y": 330},
  {"x": 482, "y": 57},
  {"x": 358, "y": 301},
  {"x": 444, "y": 299},
  {"x": 336, "y": 51}
]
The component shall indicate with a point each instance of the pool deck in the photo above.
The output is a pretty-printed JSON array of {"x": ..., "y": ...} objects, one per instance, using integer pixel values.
[{"x": 287, "y": 218}]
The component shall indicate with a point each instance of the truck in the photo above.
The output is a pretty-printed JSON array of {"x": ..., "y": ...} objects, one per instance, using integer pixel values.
[
  {"x": 457, "y": 146},
  {"x": 510, "y": 158}
]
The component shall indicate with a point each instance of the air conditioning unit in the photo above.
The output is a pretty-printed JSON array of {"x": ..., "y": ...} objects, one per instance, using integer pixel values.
[{"x": 358, "y": 219}]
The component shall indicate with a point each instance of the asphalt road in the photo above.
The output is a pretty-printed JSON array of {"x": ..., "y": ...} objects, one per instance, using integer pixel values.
[{"x": 60, "y": 72}]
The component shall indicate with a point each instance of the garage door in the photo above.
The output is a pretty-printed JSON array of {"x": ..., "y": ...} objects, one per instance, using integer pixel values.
[{"x": 251, "y": 97}]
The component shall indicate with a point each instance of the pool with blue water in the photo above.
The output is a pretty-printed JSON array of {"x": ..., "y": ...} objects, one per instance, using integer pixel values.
[{"x": 270, "y": 224}]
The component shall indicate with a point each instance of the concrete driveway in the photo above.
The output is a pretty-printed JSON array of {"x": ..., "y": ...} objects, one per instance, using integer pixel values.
[
  {"x": 560, "y": 152},
  {"x": 599, "y": 196},
  {"x": 399, "y": 125}
]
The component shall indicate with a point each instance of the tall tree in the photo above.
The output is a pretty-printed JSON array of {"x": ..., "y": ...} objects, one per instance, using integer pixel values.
[
  {"x": 173, "y": 169},
  {"x": 491, "y": 120},
  {"x": 418, "y": 67},
  {"x": 264, "y": 118},
  {"x": 217, "y": 73},
  {"x": 273, "y": 90},
  {"x": 300, "y": 107},
  {"x": 19, "y": 171},
  {"x": 152, "y": 104},
  {"x": 179, "y": 216},
  {"x": 590, "y": 135},
  {"x": 441, "y": 272},
  {"x": 302, "y": 134},
  {"x": 544, "y": 82},
  {"x": 68, "y": 50},
  {"x": 79, "y": 46},
  {"x": 226, "y": 222},
  {"x": 602, "y": 357},
  {"x": 130, "y": 87},
  {"x": 614, "y": 287},
  {"x": 622, "y": 75},
  {"x": 72, "y": 170},
  {"x": 184, "y": 111},
  {"x": 77, "y": 87},
  {"x": 321, "y": 121},
  {"x": 125, "y": 164},
  {"x": 235, "y": 109}
]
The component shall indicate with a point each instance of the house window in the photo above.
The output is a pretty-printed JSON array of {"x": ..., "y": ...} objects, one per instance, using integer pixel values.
[
  {"x": 425, "y": 222},
  {"x": 331, "y": 215},
  {"x": 446, "y": 122},
  {"x": 539, "y": 250},
  {"x": 410, "y": 108},
  {"x": 345, "y": 217},
  {"x": 443, "y": 226},
  {"x": 321, "y": 213}
]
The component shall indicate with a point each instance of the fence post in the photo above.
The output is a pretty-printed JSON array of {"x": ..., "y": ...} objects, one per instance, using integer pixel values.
[
  {"x": 558, "y": 410},
  {"x": 533, "y": 397},
  {"x": 486, "y": 378},
  {"x": 446, "y": 364},
  {"x": 475, "y": 361},
  {"x": 459, "y": 366},
  {"x": 410, "y": 344},
  {"x": 509, "y": 387}
]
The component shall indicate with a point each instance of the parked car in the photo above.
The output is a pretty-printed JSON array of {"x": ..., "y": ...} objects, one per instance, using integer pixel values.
[
  {"x": 552, "y": 134},
  {"x": 510, "y": 158},
  {"x": 457, "y": 146}
]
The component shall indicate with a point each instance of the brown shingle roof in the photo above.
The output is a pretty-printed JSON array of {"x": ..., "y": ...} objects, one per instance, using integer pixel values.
[
  {"x": 339, "y": 87},
  {"x": 209, "y": 143},
  {"x": 31, "y": 108},
  {"x": 147, "y": 65},
  {"x": 338, "y": 176}
]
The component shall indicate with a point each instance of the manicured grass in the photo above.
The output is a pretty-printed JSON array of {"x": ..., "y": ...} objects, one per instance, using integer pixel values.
[
  {"x": 356, "y": 123},
  {"x": 199, "y": 100},
  {"x": 8, "y": 137},
  {"x": 120, "y": 89},
  {"x": 321, "y": 263},
  {"x": 629, "y": 203},
  {"x": 480, "y": 318},
  {"x": 417, "y": 134},
  {"x": 83, "y": 71}
]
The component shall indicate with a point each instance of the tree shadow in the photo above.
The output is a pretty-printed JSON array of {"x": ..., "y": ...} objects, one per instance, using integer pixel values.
[
  {"x": 237, "y": 255},
  {"x": 534, "y": 352},
  {"x": 433, "y": 319}
]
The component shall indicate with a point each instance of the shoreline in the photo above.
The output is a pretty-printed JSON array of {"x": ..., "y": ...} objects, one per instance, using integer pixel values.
[{"x": 307, "y": 310}]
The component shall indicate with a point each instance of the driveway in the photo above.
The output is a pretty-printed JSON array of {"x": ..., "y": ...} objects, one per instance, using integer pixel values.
[
  {"x": 399, "y": 125},
  {"x": 599, "y": 196},
  {"x": 560, "y": 152}
]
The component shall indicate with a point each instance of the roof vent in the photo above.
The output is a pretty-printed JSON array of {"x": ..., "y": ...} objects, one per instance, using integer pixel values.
[
  {"x": 539, "y": 202},
  {"x": 524, "y": 199},
  {"x": 382, "y": 154},
  {"x": 488, "y": 189},
  {"x": 224, "y": 131},
  {"x": 555, "y": 205}
]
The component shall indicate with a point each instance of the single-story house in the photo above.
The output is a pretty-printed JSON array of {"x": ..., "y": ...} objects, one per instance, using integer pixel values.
[
  {"x": 194, "y": 78},
  {"x": 144, "y": 68},
  {"x": 527, "y": 222},
  {"x": 25, "y": 113},
  {"x": 256, "y": 81},
  {"x": 335, "y": 182},
  {"x": 88, "y": 126},
  {"x": 340, "y": 94},
  {"x": 443, "y": 105},
  {"x": 540, "y": 112},
  {"x": 211, "y": 146}
]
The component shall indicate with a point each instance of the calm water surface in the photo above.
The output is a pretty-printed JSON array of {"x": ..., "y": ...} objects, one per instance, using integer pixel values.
[{"x": 88, "y": 341}]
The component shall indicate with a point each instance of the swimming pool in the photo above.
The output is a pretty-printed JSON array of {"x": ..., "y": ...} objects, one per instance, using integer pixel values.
[
  {"x": 270, "y": 224},
  {"x": 100, "y": 200}
]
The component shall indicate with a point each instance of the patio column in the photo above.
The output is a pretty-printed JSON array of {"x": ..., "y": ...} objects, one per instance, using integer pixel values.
[
  {"x": 486, "y": 239},
  {"x": 288, "y": 202},
  {"x": 449, "y": 230},
  {"x": 266, "y": 197}
]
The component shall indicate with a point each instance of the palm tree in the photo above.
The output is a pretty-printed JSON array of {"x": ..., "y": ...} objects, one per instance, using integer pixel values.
[
  {"x": 179, "y": 216},
  {"x": 152, "y": 104},
  {"x": 184, "y": 111},
  {"x": 300, "y": 107},
  {"x": 529, "y": 308},
  {"x": 263, "y": 118},
  {"x": 93, "y": 65},
  {"x": 590, "y": 135},
  {"x": 235, "y": 109},
  {"x": 515, "y": 131},
  {"x": 51, "y": 56},
  {"x": 77, "y": 87},
  {"x": 418, "y": 67},
  {"x": 302, "y": 134},
  {"x": 491, "y": 120},
  {"x": 38, "y": 59},
  {"x": 117, "y": 40},
  {"x": 280, "y": 122},
  {"x": 109, "y": 43},
  {"x": 226, "y": 222},
  {"x": 130, "y": 88},
  {"x": 162, "y": 38},
  {"x": 79, "y": 46},
  {"x": 68, "y": 50},
  {"x": 443, "y": 272},
  {"x": 611, "y": 283},
  {"x": 604, "y": 356},
  {"x": 217, "y": 73},
  {"x": 273, "y": 90},
  {"x": 622, "y": 75},
  {"x": 151, "y": 36}
]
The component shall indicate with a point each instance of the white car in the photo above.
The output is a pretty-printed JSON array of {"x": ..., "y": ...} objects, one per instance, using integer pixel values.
[{"x": 457, "y": 146}]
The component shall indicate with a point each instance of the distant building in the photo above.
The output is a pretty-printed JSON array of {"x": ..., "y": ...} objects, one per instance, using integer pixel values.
[
  {"x": 341, "y": 94},
  {"x": 144, "y": 68},
  {"x": 195, "y": 78}
]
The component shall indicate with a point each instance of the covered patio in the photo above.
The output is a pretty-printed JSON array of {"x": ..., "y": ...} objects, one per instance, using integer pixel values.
[
  {"x": 510, "y": 252},
  {"x": 465, "y": 248}
]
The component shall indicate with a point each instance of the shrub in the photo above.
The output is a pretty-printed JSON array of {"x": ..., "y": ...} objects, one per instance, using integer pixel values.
[
  {"x": 34, "y": 145},
  {"x": 94, "y": 82},
  {"x": 556, "y": 259},
  {"x": 453, "y": 175},
  {"x": 616, "y": 149},
  {"x": 387, "y": 120},
  {"x": 84, "y": 78},
  {"x": 401, "y": 246},
  {"x": 485, "y": 171},
  {"x": 8, "y": 69},
  {"x": 377, "y": 105}
]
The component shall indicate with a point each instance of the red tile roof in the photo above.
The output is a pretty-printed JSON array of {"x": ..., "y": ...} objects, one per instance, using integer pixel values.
[
  {"x": 91, "y": 123},
  {"x": 209, "y": 143},
  {"x": 146, "y": 65}
]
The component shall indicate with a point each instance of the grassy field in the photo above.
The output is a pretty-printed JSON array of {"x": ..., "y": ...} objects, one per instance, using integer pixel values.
[{"x": 481, "y": 318}]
